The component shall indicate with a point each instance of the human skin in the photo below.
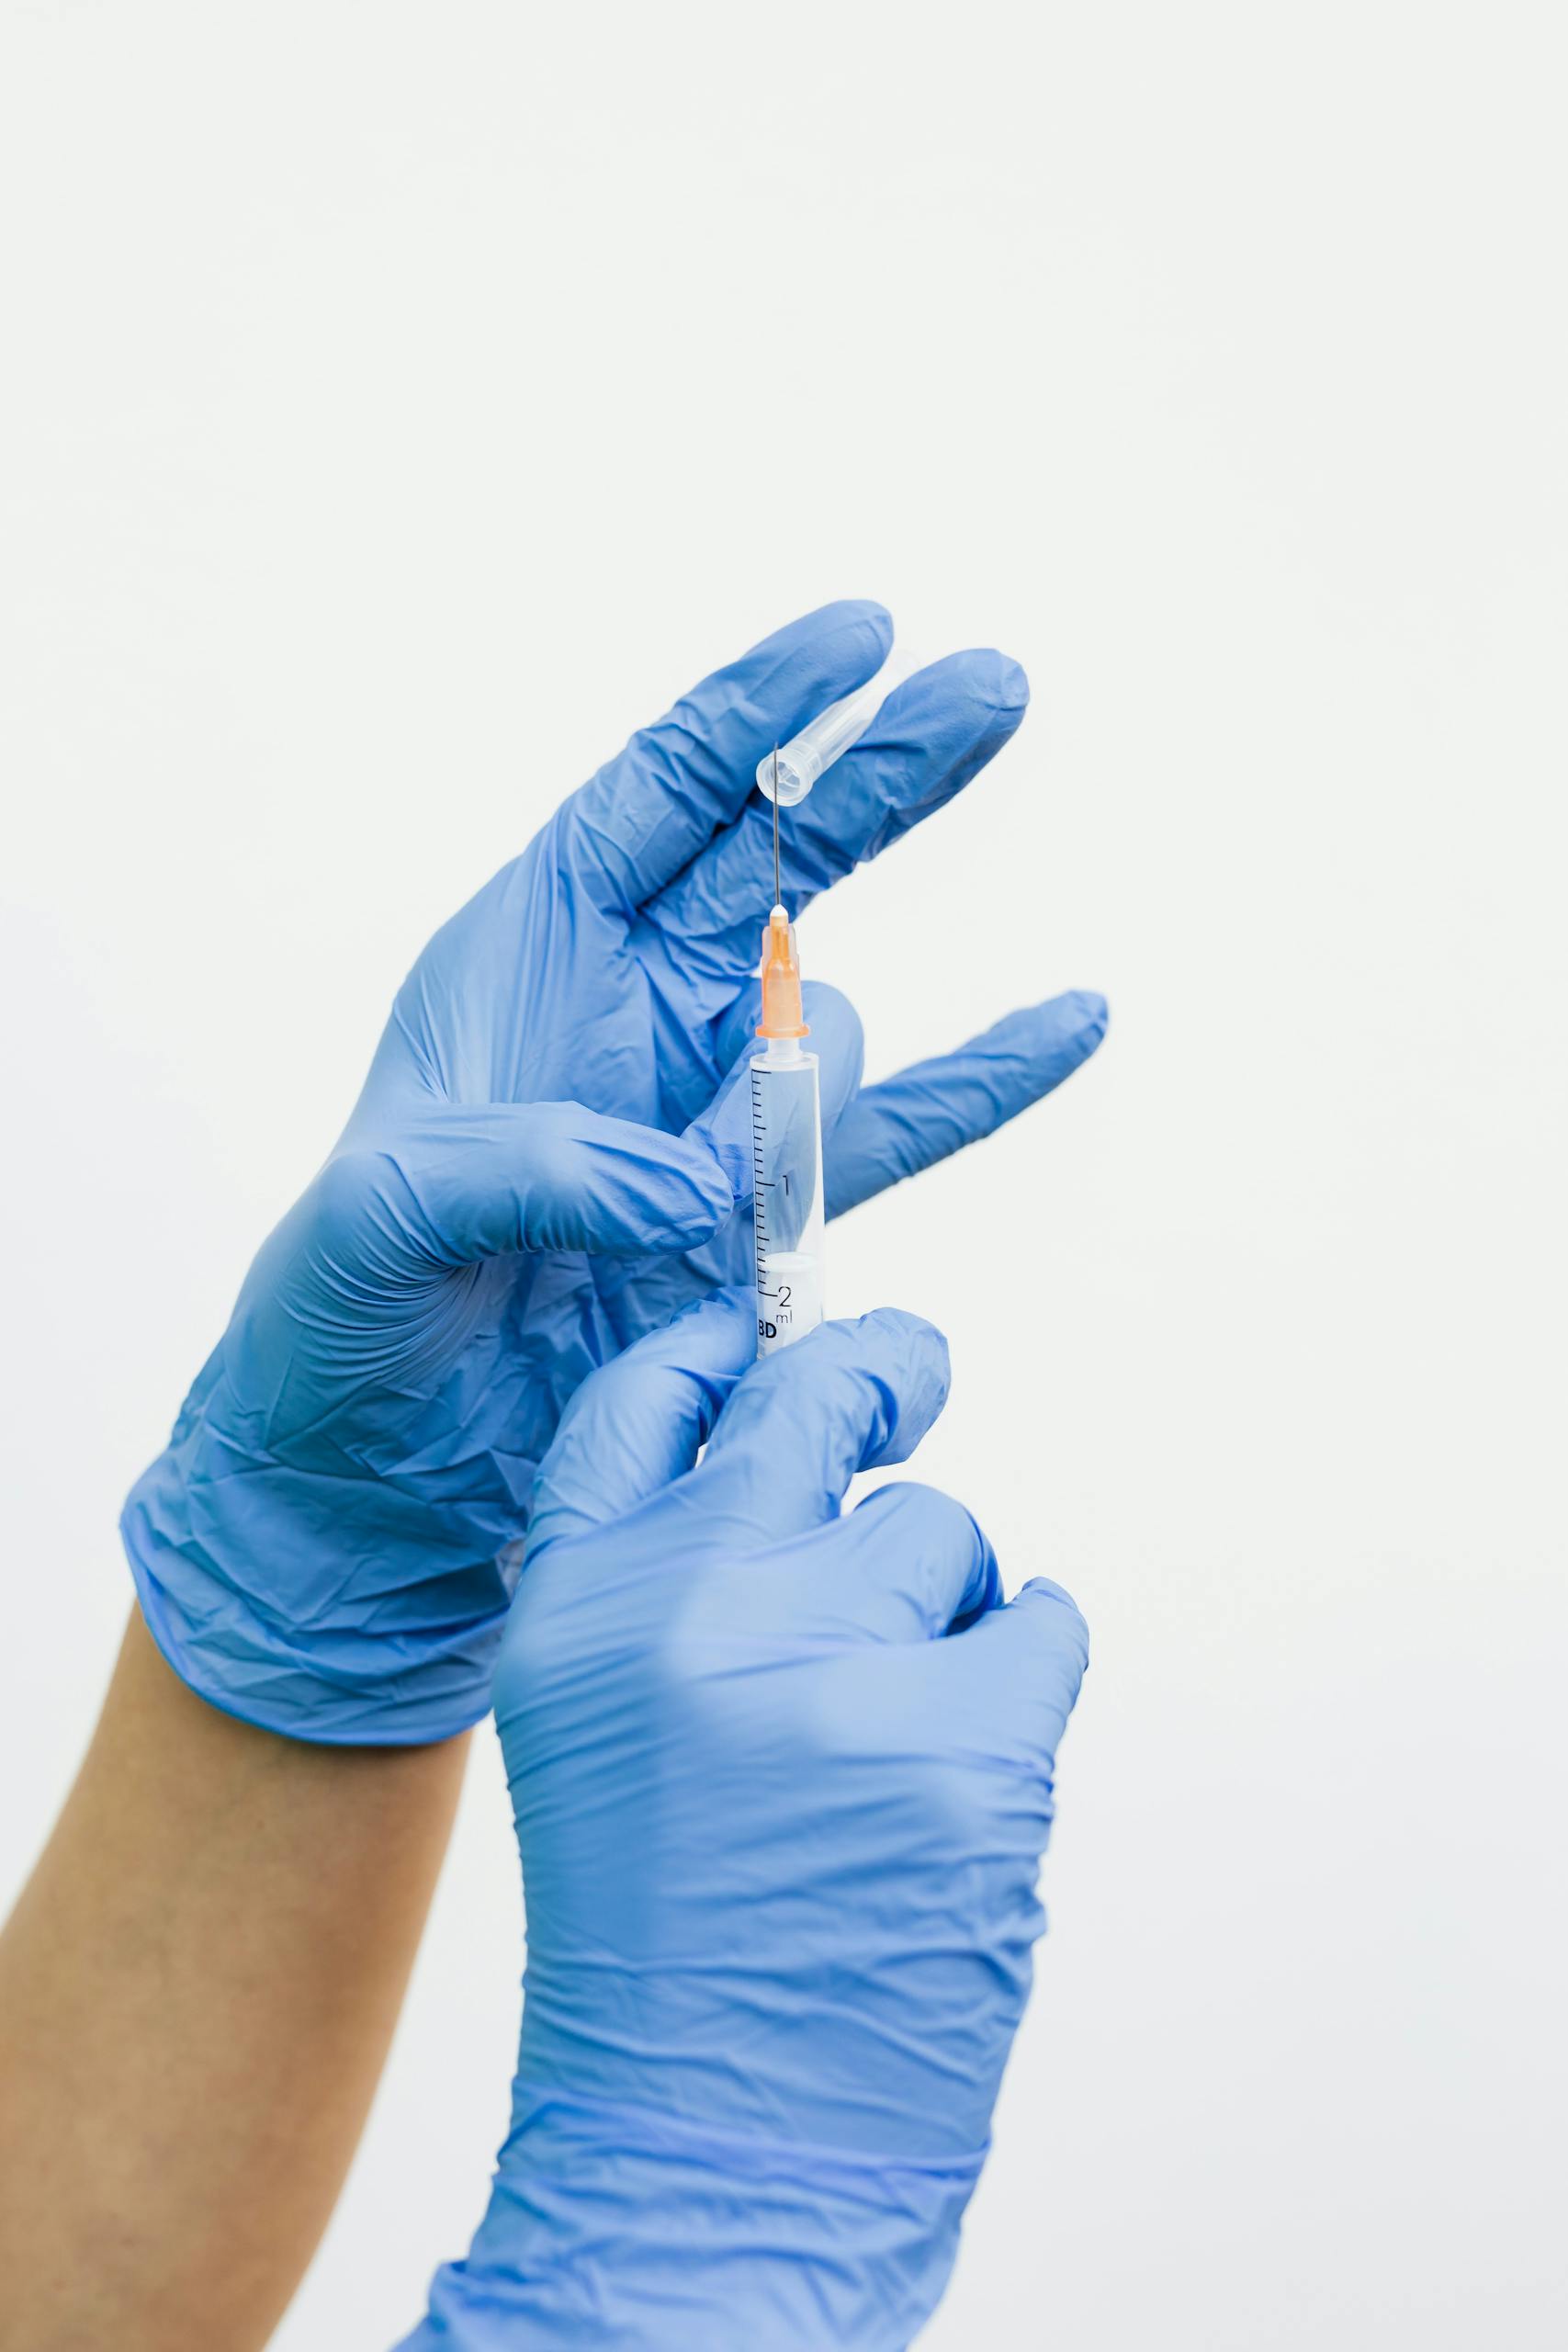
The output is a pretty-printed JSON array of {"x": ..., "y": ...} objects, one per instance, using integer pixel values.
[{"x": 198, "y": 1988}]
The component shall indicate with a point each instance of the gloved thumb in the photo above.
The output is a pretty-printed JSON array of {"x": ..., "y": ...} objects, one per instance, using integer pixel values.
[
  {"x": 465, "y": 1183},
  {"x": 642, "y": 1418}
]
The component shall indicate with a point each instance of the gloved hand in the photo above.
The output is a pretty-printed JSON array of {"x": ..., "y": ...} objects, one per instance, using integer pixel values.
[
  {"x": 328, "y": 1544},
  {"x": 782, "y": 1780}
]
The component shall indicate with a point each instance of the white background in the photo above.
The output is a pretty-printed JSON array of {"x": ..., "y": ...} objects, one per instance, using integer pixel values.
[{"x": 400, "y": 403}]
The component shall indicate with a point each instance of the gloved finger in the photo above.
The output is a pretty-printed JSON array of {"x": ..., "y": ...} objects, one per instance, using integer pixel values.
[
  {"x": 836, "y": 1038},
  {"x": 632, "y": 827},
  {"x": 933, "y": 733},
  {"x": 910, "y": 1565},
  {"x": 848, "y": 1396},
  {"x": 1022, "y": 1667},
  {"x": 909, "y": 1122},
  {"x": 641, "y": 1420},
  {"x": 464, "y": 1183}
]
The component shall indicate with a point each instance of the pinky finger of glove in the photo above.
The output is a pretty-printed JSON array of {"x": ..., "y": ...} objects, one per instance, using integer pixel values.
[{"x": 935, "y": 1108}]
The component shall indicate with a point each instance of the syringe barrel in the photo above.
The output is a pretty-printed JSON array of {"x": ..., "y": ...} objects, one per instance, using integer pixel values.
[
  {"x": 786, "y": 1149},
  {"x": 830, "y": 735}
]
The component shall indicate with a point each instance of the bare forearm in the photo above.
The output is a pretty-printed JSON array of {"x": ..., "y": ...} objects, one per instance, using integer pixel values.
[{"x": 197, "y": 1989}]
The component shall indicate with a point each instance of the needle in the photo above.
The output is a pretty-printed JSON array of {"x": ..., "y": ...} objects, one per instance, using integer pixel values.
[{"x": 777, "y": 900}]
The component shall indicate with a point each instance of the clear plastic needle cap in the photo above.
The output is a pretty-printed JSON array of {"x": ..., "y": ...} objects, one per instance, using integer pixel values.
[{"x": 798, "y": 763}]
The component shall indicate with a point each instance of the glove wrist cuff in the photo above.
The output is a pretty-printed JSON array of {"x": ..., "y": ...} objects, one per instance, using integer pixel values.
[
  {"x": 344, "y": 1687},
  {"x": 635, "y": 2230}
]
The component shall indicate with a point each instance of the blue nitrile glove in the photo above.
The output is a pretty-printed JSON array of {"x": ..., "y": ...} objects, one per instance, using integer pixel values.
[
  {"x": 782, "y": 1780},
  {"x": 328, "y": 1544}
]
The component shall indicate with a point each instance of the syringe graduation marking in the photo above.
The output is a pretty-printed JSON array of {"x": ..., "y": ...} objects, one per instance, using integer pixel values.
[{"x": 759, "y": 1185}]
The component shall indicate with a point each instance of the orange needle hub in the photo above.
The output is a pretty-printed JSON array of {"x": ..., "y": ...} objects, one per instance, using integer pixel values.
[{"x": 781, "y": 1015}]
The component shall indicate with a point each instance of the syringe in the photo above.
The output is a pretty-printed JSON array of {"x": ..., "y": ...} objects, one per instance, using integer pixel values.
[
  {"x": 786, "y": 1151},
  {"x": 786, "y": 1116}
]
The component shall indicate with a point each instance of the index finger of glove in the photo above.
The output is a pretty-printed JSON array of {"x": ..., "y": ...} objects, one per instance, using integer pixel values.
[
  {"x": 848, "y": 1396},
  {"x": 632, "y": 827}
]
